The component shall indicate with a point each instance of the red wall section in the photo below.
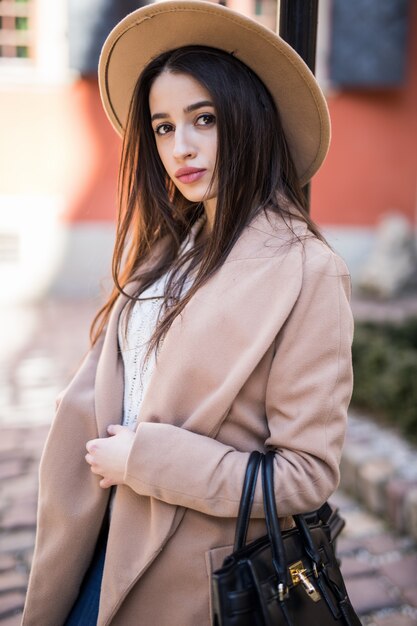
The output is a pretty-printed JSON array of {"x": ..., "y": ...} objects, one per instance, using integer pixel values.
[
  {"x": 371, "y": 167},
  {"x": 95, "y": 149},
  {"x": 56, "y": 141}
]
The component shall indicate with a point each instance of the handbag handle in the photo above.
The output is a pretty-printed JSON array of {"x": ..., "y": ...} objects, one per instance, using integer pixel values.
[
  {"x": 246, "y": 500},
  {"x": 272, "y": 524},
  {"x": 256, "y": 459},
  {"x": 274, "y": 531},
  {"x": 324, "y": 577}
]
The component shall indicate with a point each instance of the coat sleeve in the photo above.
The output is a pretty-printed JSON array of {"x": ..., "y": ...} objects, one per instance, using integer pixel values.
[{"x": 307, "y": 397}]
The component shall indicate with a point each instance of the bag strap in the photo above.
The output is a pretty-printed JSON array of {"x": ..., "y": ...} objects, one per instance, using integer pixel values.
[
  {"x": 272, "y": 524},
  {"x": 309, "y": 545},
  {"x": 246, "y": 500},
  {"x": 274, "y": 531},
  {"x": 325, "y": 512}
]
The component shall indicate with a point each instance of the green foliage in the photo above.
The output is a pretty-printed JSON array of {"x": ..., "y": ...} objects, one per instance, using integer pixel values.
[{"x": 385, "y": 370}]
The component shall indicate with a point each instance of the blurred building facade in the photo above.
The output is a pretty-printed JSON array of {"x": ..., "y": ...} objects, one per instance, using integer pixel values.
[{"x": 59, "y": 155}]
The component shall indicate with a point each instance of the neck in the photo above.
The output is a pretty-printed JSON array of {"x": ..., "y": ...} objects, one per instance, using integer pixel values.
[{"x": 210, "y": 209}]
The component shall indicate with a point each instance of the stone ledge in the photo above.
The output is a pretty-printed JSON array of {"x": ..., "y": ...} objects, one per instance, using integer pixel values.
[{"x": 379, "y": 469}]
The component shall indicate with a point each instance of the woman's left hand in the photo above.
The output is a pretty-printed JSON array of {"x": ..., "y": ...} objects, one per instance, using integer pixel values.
[{"x": 107, "y": 456}]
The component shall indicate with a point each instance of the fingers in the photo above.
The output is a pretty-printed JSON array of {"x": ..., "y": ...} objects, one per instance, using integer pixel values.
[
  {"x": 105, "y": 483},
  {"x": 91, "y": 445},
  {"x": 89, "y": 459},
  {"x": 103, "y": 455},
  {"x": 93, "y": 463},
  {"x": 114, "y": 429}
]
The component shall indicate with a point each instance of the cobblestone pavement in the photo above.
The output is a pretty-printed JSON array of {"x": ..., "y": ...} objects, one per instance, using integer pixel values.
[{"x": 41, "y": 347}]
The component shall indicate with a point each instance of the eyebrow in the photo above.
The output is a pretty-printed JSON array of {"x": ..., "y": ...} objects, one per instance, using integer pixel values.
[{"x": 189, "y": 109}]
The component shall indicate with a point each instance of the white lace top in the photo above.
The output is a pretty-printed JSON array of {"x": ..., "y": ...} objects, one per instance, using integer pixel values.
[{"x": 133, "y": 341}]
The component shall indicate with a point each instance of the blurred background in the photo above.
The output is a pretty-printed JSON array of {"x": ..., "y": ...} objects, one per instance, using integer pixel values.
[{"x": 58, "y": 176}]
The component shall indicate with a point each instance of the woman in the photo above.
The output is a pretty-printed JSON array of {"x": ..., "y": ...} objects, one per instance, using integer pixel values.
[{"x": 229, "y": 328}]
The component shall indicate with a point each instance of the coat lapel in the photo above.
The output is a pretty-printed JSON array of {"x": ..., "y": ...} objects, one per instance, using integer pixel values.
[
  {"x": 109, "y": 377},
  {"x": 214, "y": 346},
  {"x": 205, "y": 359}
]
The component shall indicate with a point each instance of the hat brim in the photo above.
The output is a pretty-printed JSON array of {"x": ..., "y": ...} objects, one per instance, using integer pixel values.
[{"x": 144, "y": 34}]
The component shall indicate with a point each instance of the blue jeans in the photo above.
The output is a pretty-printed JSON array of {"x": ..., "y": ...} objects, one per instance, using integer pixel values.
[{"x": 85, "y": 609}]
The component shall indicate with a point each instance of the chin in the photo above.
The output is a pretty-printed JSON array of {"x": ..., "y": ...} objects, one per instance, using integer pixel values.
[
  {"x": 197, "y": 195},
  {"x": 194, "y": 196}
]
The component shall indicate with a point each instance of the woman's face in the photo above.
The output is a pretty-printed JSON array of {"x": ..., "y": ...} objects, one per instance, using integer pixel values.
[{"x": 184, "y": 122}]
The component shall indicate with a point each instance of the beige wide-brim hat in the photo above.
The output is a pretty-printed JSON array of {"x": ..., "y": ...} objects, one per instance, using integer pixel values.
[{"x": 144, "y": 34}]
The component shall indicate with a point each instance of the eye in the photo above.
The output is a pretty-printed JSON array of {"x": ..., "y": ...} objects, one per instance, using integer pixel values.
[
  {"x": 206, "y": 119},
  {"x": 163, "y": 129}
]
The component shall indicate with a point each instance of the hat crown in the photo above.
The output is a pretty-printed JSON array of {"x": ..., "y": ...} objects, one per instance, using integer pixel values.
[{"x": 151, "y": 30}]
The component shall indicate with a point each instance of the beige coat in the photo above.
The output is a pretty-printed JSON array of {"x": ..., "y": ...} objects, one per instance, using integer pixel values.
[{"x": 260, "y": 357}]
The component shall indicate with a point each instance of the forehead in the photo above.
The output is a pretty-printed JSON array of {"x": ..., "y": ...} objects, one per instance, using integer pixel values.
[{"x": 172, "y": 90}]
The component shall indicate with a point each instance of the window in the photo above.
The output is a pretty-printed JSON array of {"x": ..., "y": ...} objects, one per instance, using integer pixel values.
[
  {"x": 16, "y": 30},
  {"x": 370, "y": 52}
]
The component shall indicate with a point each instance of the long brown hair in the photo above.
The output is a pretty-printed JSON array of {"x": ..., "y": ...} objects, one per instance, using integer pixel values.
[{"x": 254, "y": 171}]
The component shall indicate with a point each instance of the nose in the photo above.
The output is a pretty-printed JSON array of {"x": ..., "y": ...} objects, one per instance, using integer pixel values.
[{"x": 183, "y": 147}]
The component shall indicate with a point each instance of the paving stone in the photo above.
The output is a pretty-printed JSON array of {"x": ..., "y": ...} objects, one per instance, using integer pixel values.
[
  {"x": 396, "y": 491},
  {"x": 16, "y": 541},
  {"x": 11, "y": 603},
  {"x": 13, "y": 580},
  {"x": 386, "y": 542},
  {"x": 11, "y": 468},
  {"x": 353, "y": 567},
  {"x": 393, "y": 619},
  {"x": 19, "y": 515},
  {"x": 20, "y": 488},
  {"x": 342, "y": 501},
  {"x": 7, "y": 561},
  {"x": 354, "y": 456},
  {"x": 372, "y": 479},
  {"x": 411, "y": 512},
  {"x": 34, "y": 440},
  {"x": 28, "y": 556},
  {"x": 410, "y": 594},
  {"x": 369, "y": 594},
  {"x": 361, "y": 524},
  {"x": 402, "y": 573},
  {"x": 12, "y": 453},
  {"x": 12, "y": 620},
  {"x": 8, "y": 439},
  {"x": 348, "y": 545}
]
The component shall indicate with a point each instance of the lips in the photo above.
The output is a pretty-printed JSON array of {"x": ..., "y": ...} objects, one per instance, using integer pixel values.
[{"x": 189, "y": 174}]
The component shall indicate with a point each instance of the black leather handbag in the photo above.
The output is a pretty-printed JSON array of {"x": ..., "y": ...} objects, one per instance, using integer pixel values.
[{"x": 285, "y": 578}]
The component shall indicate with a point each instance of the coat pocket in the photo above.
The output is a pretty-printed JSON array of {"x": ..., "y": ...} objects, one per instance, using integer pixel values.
[{"x": 214, "y": 560}]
